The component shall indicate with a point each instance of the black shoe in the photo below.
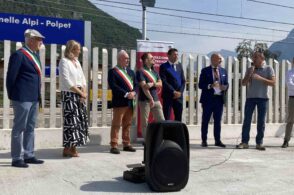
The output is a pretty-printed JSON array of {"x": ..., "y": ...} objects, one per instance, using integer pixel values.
[
  {"x": 204, "y": 144},
  {"x": 33, "y": 160},
  {"x": 220, "y": 144},
  {"x": 285, "y": 144},
  {"x": 114, "y": 151},
  {"x": 19, "y": 163},
  {"x": 129, "y": 149}
]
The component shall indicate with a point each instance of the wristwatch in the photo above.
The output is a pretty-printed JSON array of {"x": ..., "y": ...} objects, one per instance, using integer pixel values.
[{"x": 209, "y": 86}]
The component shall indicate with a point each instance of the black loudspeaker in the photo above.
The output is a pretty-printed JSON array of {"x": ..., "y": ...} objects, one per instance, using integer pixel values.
[{"x": 166, "y": 156}]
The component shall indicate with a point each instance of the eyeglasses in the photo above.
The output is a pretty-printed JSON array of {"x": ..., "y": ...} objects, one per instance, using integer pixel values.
[{"x": 37, "y": 39}]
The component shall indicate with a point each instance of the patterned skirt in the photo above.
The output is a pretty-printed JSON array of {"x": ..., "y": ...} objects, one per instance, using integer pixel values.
[{"x": 75, "y": 120}]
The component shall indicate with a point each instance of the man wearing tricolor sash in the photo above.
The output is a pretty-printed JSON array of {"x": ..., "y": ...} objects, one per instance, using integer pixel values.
[
  {"x": 122, "y": 82},
  {"x": 149, "y": 81},
  {"x": 23, "y": 83}
]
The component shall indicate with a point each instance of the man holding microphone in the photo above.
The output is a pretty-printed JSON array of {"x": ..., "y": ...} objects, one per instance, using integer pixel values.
[{"x": 257, "y": 79}]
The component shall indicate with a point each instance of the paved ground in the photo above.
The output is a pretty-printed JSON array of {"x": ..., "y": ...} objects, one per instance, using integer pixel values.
[{"x": 99, "y": 172}]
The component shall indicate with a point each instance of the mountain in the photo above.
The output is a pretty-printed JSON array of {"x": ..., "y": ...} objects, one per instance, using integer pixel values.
[
  {"x": 224, "y": 53},
  {"x": 284, "y": 48},
  {"x": 107, "y": 31}
]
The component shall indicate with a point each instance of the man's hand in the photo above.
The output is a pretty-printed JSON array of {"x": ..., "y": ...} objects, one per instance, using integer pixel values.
[
  {"x": 131, "y": 95},
  {"x": 215, "y": 84},
  {"x": 150, "y": 85},
  {"x": 223, "y": 87},
  {"x": 151, "y": 101},
  {"x": 251, "y": 70},
  {"x": 257, "y": 77},
  {"x": 177, "y": 94}
]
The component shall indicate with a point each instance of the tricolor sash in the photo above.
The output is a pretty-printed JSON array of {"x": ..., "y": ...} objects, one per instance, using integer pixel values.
[
  {"x": 126, "y": 78},
  {"x": 150, "y": 75},
  {"x": 36, "y": 62}
]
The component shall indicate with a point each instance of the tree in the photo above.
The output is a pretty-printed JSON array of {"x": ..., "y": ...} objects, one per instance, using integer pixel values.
[
  {"x": 244, "y": 49},
  {"x": 262, "y": 47}
]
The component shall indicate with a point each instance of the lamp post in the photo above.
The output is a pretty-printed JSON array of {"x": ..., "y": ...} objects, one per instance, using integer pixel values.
[{"x": 145, "y": 3}]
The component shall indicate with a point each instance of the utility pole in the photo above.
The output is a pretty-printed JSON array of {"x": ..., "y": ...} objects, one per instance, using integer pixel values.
[
  {"x": 144, "y": 22},
  {"x": 145, "y": 4}
]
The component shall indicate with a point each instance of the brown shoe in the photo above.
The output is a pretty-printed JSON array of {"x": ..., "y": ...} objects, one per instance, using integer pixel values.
[
  {"x": 74, "y": 152},
  {"x": 66, "y": 152}
]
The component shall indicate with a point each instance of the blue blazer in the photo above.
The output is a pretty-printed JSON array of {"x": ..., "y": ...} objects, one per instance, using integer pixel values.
[
  {"x": 119, "y": 88},
  {"x": 22, "y": 82},
  {"x": 206, "y": 78},
  {"x": 171, "y": 80}
]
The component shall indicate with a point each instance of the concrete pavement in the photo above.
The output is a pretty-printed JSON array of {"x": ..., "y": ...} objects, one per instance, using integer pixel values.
[{"x": 212, "y": 171}]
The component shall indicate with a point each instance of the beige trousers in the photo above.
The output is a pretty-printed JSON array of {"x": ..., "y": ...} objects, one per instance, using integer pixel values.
[
  {"x": 145, "y": 109},
  {"x": 122, "y": 116}
]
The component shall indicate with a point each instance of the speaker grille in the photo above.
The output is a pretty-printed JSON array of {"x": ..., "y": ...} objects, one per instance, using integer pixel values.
[{"x": 170, "y": 166}]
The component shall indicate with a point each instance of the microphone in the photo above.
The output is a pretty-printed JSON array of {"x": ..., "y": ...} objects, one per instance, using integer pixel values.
[{"x": 253, "y": 69}]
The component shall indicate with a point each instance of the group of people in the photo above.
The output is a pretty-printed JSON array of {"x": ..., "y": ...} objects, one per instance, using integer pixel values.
[
  {"x": 24, "y": 90},
  {"x": 124, "y": 82},
  {"x": 23, "y": 83}
]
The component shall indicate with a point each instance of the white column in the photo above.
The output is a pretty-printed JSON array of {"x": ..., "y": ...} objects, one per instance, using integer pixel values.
[
  {"x": 6, "y": 101},
  {"x": 104, "y": 86},
  {"x": 95, "y": 86},
  {"x": 270, "y": 101},
  {"x": 53, "y": 86},
  {"x": 235, "y": 87},
  {"x": 191, "y": 90},
  {"x": 114, "y": 57},
  {"x": 41, "y": 115},
  {"x": 184, "y": 64},
  {"x": 276, "y": 94},
  {"x": 282, "y": 86},
  {"x": 198, "y": 91},
  {"x": 229, "y": 92},
  {"x": 243, "y": 88}
]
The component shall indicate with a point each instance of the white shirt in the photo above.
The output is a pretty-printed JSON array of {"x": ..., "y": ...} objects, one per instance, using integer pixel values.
[
  {"x": 70, "y": 75},
  {"x": 217, "y": 90},
  {"x": 290, "y": 82}
]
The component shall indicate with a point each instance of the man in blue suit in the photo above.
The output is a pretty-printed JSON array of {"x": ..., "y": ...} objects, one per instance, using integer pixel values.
[
  {"x": 214, "y": 83},
  {"x": 173, "y": 85},
  {"x": 122, "y": 82},
  {"x": 23, "y": 84}
]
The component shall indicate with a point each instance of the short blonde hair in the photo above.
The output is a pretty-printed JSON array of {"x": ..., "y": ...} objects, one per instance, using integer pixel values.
[{"x": 70, "y": 46}]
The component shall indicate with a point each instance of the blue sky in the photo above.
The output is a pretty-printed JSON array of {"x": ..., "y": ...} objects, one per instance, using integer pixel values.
[{"x": 204, "y": 44}]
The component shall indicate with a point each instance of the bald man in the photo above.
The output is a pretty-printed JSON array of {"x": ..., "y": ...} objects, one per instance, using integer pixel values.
[
  {"x": 214, "y": 84},
  {"x": 122, "y": 82}
]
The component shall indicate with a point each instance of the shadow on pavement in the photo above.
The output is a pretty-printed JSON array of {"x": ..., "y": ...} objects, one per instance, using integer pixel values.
[
  {"x": 119, "y": 185},
  {"x": 56, "y": 153}
]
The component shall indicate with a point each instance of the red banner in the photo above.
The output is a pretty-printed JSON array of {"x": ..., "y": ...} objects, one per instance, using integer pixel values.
[{"x": 159, "y": 50}]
